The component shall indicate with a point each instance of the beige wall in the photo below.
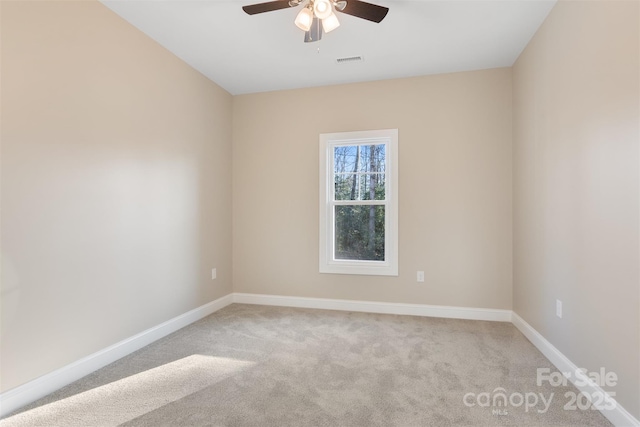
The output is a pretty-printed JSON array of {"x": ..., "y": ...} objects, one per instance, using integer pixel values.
[
  {"x": 576, "y": 183},
  {"x": 115, "y": 185},
  {"x": 454, "y": 195}
]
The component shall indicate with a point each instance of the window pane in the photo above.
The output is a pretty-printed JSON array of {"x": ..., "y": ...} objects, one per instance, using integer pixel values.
[
  {"x": 359, "y": 158},
  {"x": 359, "y": 186},
  {"x": 359, "y": 233},
  {"x": 346, "y": 158},
  {"x": 372, "y": 158}
]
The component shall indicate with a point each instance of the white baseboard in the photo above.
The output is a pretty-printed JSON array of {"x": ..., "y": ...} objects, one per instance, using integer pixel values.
[
  {"x": 33, "y": 390},
  {"x": 618, "y": 416},
  {"x": 377, "y": 307}
]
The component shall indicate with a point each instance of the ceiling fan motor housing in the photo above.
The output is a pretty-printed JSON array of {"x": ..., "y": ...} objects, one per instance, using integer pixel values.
[{"x": 315, "y": 32}]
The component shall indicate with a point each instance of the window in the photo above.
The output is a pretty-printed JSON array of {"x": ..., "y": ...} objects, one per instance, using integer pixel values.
[{"x": 359, "y": 202}]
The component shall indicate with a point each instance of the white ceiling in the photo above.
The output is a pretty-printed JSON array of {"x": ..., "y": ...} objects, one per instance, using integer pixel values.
[{"x": 265, "y": 52}]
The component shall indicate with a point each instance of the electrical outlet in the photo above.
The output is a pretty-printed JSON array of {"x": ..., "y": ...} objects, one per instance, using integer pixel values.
[
  {"x": 559, "y": 308},
  {"x": 420, "y": 276},
  {"x": 214, "y": 273}
]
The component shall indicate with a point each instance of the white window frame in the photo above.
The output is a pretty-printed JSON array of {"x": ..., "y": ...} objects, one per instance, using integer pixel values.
[{"x": 328, "y": 263}]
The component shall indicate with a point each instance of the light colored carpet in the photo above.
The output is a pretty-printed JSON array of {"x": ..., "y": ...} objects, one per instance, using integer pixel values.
[{"x": 270, "y": 366}]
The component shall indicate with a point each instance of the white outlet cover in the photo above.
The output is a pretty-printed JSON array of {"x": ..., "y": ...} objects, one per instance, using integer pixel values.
[
  {"x": 214, "y": 273},
  {"x": 559, "y": 308},
  {"x": 420, "y": 276}
]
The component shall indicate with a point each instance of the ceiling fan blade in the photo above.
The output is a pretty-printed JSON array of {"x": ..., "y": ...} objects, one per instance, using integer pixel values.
[
  {"x": 269, "y": 6},
  {"x": 364, "y": 10}
]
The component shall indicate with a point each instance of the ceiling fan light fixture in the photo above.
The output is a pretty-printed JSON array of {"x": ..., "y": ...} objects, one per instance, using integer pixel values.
[
  {"x": 304, "y": 19},
  {"x": 340, "y": 5},
  {"x": 322, "y": 8},
  {"x": 330, "y": 23}
]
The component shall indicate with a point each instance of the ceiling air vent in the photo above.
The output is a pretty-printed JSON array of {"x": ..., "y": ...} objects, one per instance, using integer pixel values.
[{"x": 349, "y": 59}]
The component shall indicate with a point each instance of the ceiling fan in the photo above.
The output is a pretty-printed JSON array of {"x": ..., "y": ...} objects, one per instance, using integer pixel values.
[{"x": 318, "y": 15}]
